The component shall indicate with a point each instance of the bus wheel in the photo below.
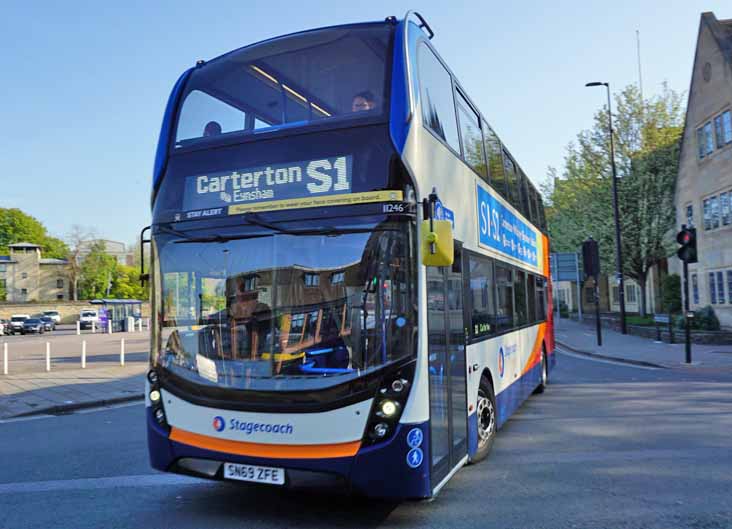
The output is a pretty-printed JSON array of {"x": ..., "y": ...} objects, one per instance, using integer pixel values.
[
  {"x": 486, "y": 412},
  {"x": 544, "y": 374}
]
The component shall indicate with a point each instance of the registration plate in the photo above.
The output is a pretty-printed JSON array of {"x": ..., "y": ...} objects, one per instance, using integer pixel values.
[{"x": 257, "y": 474}]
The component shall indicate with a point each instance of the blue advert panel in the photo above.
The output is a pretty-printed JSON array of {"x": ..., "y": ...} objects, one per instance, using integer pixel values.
[
  {"x": 252, "y": 185},
  {"x": 501, "y": 230}
]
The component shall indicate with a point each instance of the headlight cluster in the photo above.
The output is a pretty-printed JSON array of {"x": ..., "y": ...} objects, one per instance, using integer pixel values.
[
  {"x": 388, "y": 405},
  {"x": 156, "y": 399}
]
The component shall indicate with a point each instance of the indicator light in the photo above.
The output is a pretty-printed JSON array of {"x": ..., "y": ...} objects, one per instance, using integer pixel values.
[
  {"x": 160, "y": 415},
  {"x": 380, "y": 430},
  {"x": 152, "y": 377},
  {"x": 398, "y": 385}
]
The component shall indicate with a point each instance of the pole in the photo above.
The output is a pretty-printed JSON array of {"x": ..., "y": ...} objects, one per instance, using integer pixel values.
[
  {"x": 83, "y": 354},
  {"x": 48, "y": 356},
  {"x": 618, "y": 245},
  {"x": 687, "y": 329},
  {"x": 78, "y": 328},
  {"x": 122, "y": 352},
  {"x": 597, "y": 312},
  {"x": 579, "y": 287},
  {"x": 5, "y": 358}
]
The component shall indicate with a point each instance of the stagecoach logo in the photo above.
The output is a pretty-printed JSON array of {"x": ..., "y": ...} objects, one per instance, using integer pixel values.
[
  {"x": 501, "y": 361},
  {"x": 309, "y": 178},
  {"x": 219, "y": 424}
]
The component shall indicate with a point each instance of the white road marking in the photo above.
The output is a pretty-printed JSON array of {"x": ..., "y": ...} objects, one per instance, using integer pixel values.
[
  {"x": 144, "y": 480},
  {"x": 603, "y": 360}
]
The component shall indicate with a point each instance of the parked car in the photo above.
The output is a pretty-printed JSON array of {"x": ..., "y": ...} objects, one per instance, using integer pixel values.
[
  {"x": 33, "y": 325},
  {"x": 86, "y": 317},
  {"x": 16, "y": 323},
  {"x": 4, "y": 327},
  {"x": 53, "y": 314},
  {"x": 49, "y": 324}
]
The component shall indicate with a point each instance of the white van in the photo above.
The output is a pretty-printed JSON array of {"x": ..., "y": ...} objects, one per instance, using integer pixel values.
[
  {"x": 16, "y": 323},
  {"x": 87, "y": 317}
]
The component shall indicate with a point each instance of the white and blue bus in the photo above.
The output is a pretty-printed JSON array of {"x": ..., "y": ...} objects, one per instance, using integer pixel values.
[{"x": 349, "y": 270}]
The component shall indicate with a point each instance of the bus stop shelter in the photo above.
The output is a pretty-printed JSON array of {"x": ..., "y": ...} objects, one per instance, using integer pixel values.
[{"x": 117, "y": 312}]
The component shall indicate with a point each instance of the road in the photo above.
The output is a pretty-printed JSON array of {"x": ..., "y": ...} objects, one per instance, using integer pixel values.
[{"x": 607, "y": 446}]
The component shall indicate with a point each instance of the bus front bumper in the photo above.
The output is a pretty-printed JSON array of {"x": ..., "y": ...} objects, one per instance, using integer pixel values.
[{"x": 380, "y": 471}]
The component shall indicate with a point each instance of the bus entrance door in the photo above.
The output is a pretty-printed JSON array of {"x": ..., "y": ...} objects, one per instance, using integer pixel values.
[{"x": 446, "y": 347}]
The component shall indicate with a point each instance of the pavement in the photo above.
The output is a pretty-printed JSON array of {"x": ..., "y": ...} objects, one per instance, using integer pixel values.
[
  {"x": 581, "y": 338},
  {"x": 28, "y": 389},
  {"x": 607, "y": 446}
]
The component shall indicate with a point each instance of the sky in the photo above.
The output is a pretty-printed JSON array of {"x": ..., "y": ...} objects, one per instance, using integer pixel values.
[{"x": 85, "y": 84}]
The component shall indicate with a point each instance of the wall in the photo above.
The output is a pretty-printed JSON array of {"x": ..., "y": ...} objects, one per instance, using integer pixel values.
[{"x": 69, "y": 310}]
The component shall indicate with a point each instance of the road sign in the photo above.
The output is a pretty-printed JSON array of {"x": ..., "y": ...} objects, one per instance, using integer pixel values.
[{"x": 564, "y": 266}]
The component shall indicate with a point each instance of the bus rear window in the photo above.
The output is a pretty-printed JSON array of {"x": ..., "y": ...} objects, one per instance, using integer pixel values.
[{"x": 291, "y": 81}]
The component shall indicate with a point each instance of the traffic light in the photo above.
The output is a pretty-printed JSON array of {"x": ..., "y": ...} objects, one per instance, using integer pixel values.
[
  {"x": 591, "y": 258},
  {"x": 687, "y": 239}
]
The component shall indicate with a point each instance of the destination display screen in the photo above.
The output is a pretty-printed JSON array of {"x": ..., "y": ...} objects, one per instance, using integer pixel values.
[
  {"x": 501, "y": 230},
  {"x": 275, "y": 182}
]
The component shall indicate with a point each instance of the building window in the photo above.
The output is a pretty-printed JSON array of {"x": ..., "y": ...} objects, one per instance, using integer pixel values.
[
  {"x": 59, "y": 283},
  {"x": 24, "y": 275},
  {"x": 694, "y": 289},
  {"x": 718, "y": 131},
  {"x": 616, "y": 294},
  {"x": 700, "y": 141},
  {"x": 724, "y": 205},
  {"x": 712, "y": 289},
  {"x": 3, "y": 267},
  {"x": 631, "y": 294},
  {"x": 24, "y": 292},
  {"x": 709, "y": 138},
  {"x": 715, "y": 213},
  {"x": 720, "y": 287},
  {"x": 438, "y": 105},
  {"x": 337, "y": 278},
  {"x": 312, "y": 280},
  {"x": 59, "y": 296},
  {"x": 707, "y": 214},
  {"x": 727, "y": 126},
  {"x": 249, "y": 283},
  {"x": 690, "y": 215}
]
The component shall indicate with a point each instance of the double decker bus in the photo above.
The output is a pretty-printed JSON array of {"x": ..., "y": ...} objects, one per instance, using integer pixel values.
[{"x": 350, "y": 272}]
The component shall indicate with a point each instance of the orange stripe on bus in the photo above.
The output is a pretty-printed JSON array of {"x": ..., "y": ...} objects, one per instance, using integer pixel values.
[
  {"x": 243, "y": 448},
  {"x": 535, "y": 357}
]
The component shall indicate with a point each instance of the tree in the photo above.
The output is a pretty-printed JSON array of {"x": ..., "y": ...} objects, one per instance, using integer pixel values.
[
  {"x": 78, "y": 239},
  {"x": 126, "y": 283},
  {"x": 16, "y": 226},
  {"x": 97, "y": 272},
  {"x": 579, "y": 201}
]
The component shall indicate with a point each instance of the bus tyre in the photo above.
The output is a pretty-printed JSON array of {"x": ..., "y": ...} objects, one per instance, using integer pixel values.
[
  {"x": 544, "y": 374},
  {"x": 486, "y": 416}
]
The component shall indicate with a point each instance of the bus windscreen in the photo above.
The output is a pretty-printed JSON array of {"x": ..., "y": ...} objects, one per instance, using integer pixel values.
[{"x": 290, "y": 81}]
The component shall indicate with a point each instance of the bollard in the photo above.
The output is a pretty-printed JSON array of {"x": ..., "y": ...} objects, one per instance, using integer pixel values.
[
  {"x": 140, "y": 323},
  {"x": 48, "y": 356},
  {"x": 78, "y": 328},
  {"x": 122, "y": 352},
  {"x": 83, "y": 354},
  {"x": 94, "y": 327},
  {"x": 109, "y": 326},
  {"x": 147, "y": 321},
  {"x": 5, "y": 358}
]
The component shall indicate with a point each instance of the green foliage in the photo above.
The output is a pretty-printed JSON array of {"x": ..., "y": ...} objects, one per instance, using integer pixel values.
[
  {"x": 3, "y": 293},
  {"x": 639, "y": 320},
  {"x": 671, "y": 293},
  {"x": 16, "y": 226},
  {"x": 704, "y": 320},
  {"x": 97, "y": 271},
  {"x": 126, "y": 283},
  {"x": 579, "y": 200}
]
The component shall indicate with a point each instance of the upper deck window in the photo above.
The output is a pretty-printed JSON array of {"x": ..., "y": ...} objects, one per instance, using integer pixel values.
[
  {"x": 471, "y": 136},
  {"x": 290, "y": 81},
  {"x": 438, "y": 105}
]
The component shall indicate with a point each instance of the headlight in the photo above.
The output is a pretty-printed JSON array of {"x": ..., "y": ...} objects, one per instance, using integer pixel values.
[
  {"x": 155, "y": 396},
  {"x": 387, "y": 408}
]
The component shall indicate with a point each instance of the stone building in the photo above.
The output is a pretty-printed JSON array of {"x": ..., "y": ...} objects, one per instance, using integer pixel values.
[
  {"x": 27, "y": 276},
  {"x": 704, "y": 185}
]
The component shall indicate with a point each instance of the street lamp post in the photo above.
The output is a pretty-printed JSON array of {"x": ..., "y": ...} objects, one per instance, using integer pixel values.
[{"x": 618, "y": 251}]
